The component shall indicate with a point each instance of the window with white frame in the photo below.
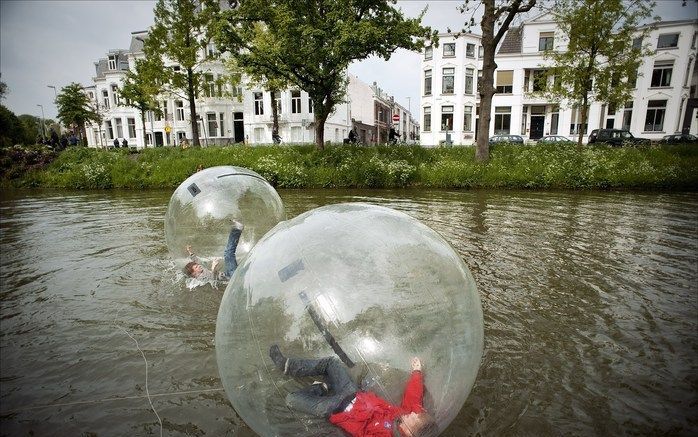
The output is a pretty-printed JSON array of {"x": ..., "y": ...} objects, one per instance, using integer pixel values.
[
  {"x": 654, "y": 120},
  {"x": 258, "y": 134},
  {"x": 447, "y": 118},
  {"x": 505, "y": 80},
  {"x": 627, "y": 115},
  {"x": 131, "y": 127},
  {"x": 211, "y": 50},
  {"x": 115, "y": 95},
  {"x": 668, "y": 41},
  {"x": 576, "y": 123},
  {"x": 112, "y": 62},
  {"x": 637, "y": 43},
  {"x": 110, "y": 131},
  {"x": 468, "y": 119},
  {"x": 179, "y": 110},
  {"x": 539, "y": 80},
  {"x": 554, "y": 120},
  {"x": 277, "y": 101},
  {"x": 427, "y": 82},
  {"x": 427, "y": 118},
  {"x": 502, "y": 120},
  {"x": 295, "y": 102},
  {"x": 119, "y": 128},
  {"x": 480, "y": 52},
  {"x": 447, "y": 80},
  {"x": 221, "y": 124},
  {"x": 479, "y": 81},
  {"x": 212, "y": 125},
  {"x": 449, "y": 50},
  {"x": 428, "y": 53},
  {"x": 258, "y": 103},
  {"x": 469, "y": 79},
  {"x": 209, "y": 85},
  {"x": 661, "y": 75},
  {"x": 165, "y": 111},
  {"x": 105, "y": 99},
  {"x": 470, "y": 50},
  {"x": 546, "y": 40}
]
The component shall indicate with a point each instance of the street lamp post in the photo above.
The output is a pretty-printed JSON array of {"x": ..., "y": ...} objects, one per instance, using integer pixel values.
[
  {"x": 43, "y": 126},
  {"x": 55, "y": 93}
]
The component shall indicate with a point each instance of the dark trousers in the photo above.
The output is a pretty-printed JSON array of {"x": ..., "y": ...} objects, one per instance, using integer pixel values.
[
  {"x": 231, "y": 262},
  {"x": 312, "y": 400}
]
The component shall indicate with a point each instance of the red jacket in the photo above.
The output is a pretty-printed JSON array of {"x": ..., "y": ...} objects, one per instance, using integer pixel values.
[{"x": 374, "y": 416}]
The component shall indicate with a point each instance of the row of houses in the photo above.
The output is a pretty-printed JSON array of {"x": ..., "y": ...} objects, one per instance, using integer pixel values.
[
  {"x": 230, "y": 114},
  {"x": 663, "y": 102}
]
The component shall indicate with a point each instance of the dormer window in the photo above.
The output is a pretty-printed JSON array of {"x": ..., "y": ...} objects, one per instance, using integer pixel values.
[
  {"x": 546, "y": 41},
  {"x": 449, "y": 50},
  {"x": 428, "y": 53},
  {"x": 112, "y": 62},
  {"x": 668, "y": 41}
]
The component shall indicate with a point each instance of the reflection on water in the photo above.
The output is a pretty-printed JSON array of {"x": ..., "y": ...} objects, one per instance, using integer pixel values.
[{"x": 590, "y": 304}]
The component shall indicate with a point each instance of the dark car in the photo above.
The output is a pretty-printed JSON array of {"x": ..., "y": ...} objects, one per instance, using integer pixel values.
[
  {"x": 554, "y": 139},
  {"x": 515, "y": 139},
  {"x": 616, "y": 137},
  {"x": 679, "y": 139}
]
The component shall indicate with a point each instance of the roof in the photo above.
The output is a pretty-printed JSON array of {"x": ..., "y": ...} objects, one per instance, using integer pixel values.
[
  {"x": 512, "y": 41},
  {"x": 102, "y": 65},
  {"x": 137, "y": 41}
]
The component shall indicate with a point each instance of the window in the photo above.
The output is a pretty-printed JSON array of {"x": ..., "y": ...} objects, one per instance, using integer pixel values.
[
  {"x": 524, "y": 118},
  {"x": 165, "y": 112},
  {"x": 131, "y": 127},
  {"x": 212, "y": 125},
  {"x": 112, "y": 62},
  {"x": 637, "y": 43},
  {"x": 627, "y": 115},
  {"x": 258, "y": 103},
  {"x": 502, "y": 120},
  {"x": 576, "y": 124},
  {"x": 448, "y": 80},
  {"x": 468, "y": 119},
  {"x": 427, "y": 83},
  {"x": 310, "y": 105},
  {"x": 661, "y": 75},
  {"x": 554, "y": 120},
  {"x": 221, "y": 119},
  {"x": 546, "y": 41},
  {"x": 296, "y": 134},
  {"x": 295, "y": 102},
  {"x": 505, "y": 79},
  {"x": 449, "y": 50},
  {"x": 209, "y": 86},
  {"x": 479, "y": 80},
  {"x": 470, "y": 50},
  {"x": 632, "y": 79},
  {"x": 115, "y": 95},
  {"x": 539, "y": 79},
  {"x": 258, "y": 134},
  {"x": 92, "y": 95},
  {"x": 427, "y": 119},
  {"x": 654, "y": 121},
  {"x": 668, "y": 40},
  {"x": 428, "y": 53},
  {"x": 447, "y": 118},
  {"x": 179, "y": 110},
  {"x": 105, "y": 99},
  {"x": 211, "y": 50},
  {"x": 110, "y": 131},
  {"x": 480, "y": 52},
  {"x": 469, "y": 78},
  {"x": 277, "y": 101},
  {"x": 119, "y": 128}
]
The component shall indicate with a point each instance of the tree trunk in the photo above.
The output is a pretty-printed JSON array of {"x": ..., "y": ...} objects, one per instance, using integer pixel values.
[
  {"x": 320, "y": 131},
  {"x": 486, "y": 83},
  {"x": 192, "y": 108},
  {"x": 584, "y": 116},
  {"x": 274, "y": 117},
  {"x": 145, "y": 135}
]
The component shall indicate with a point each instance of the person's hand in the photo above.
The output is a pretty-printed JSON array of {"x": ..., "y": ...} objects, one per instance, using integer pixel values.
[
  {"x": 189, "y": 249},
  {"x": 416, "y": 364}
]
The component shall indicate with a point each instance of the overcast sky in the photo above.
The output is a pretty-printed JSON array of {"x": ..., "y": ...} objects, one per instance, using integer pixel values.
[{"x": 57, "y": 42}]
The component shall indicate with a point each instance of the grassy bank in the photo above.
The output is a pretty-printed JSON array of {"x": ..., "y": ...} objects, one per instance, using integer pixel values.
[{"x": 511, "y": 166}]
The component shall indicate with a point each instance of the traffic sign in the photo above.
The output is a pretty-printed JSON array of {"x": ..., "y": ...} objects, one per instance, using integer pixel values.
[
  {"x": 168, "y": 129},
  {"x": 396, "y": 117}
]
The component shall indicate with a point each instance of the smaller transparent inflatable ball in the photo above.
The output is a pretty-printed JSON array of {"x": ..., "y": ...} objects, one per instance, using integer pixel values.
[
  {"x": 203, "y": 208},
  {"x": 366, "y": 284}
]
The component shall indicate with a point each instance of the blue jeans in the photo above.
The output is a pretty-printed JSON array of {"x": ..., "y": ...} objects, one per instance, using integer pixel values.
[
  {"x": 231, "y": 262},
  {"x": 312, "y": 400}
]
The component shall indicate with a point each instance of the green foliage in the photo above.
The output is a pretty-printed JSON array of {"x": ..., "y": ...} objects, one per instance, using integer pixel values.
[
  {"x": 11, "y": 128},
  {"x": 19, "y": 163},
  {"x": 310, "y": 44},
  {"x": 74, "y": 108},
  {"x": 600, "y": 60}
]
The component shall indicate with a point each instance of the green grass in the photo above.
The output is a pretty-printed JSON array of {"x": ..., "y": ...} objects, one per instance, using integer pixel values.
[{"x": 510, "y": 166}]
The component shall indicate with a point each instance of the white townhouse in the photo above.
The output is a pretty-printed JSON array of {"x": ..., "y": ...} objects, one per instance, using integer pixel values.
[
  {"x": 663, "y": 102},
  {"x": 229, "y": 114}
]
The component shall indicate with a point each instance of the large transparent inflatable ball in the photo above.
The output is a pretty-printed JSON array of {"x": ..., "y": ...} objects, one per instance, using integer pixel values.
[
  {"x": 202, "y": 210},
  {"x": 366, "y": 284}
]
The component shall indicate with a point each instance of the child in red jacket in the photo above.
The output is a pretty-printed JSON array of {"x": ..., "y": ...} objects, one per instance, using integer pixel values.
[{"x": 359, "y": 413}]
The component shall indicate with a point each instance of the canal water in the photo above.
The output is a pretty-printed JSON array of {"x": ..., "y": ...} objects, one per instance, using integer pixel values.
[{"x": 590, "y": 305}]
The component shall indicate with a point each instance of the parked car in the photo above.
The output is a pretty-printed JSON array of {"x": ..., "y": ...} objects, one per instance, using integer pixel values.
[
  {"x": 616, "y": 137},
  {"x": 679, "y": 139},
  {"x": 515, "y": 139},
  {"x": 554, "y": 139}
]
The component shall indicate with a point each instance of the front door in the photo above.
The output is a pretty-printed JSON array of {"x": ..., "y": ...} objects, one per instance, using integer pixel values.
[
  {"x": 537, "y": 125},
  {"x": 159, "y": 139},
  {"x": 238, "y": 127}
]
